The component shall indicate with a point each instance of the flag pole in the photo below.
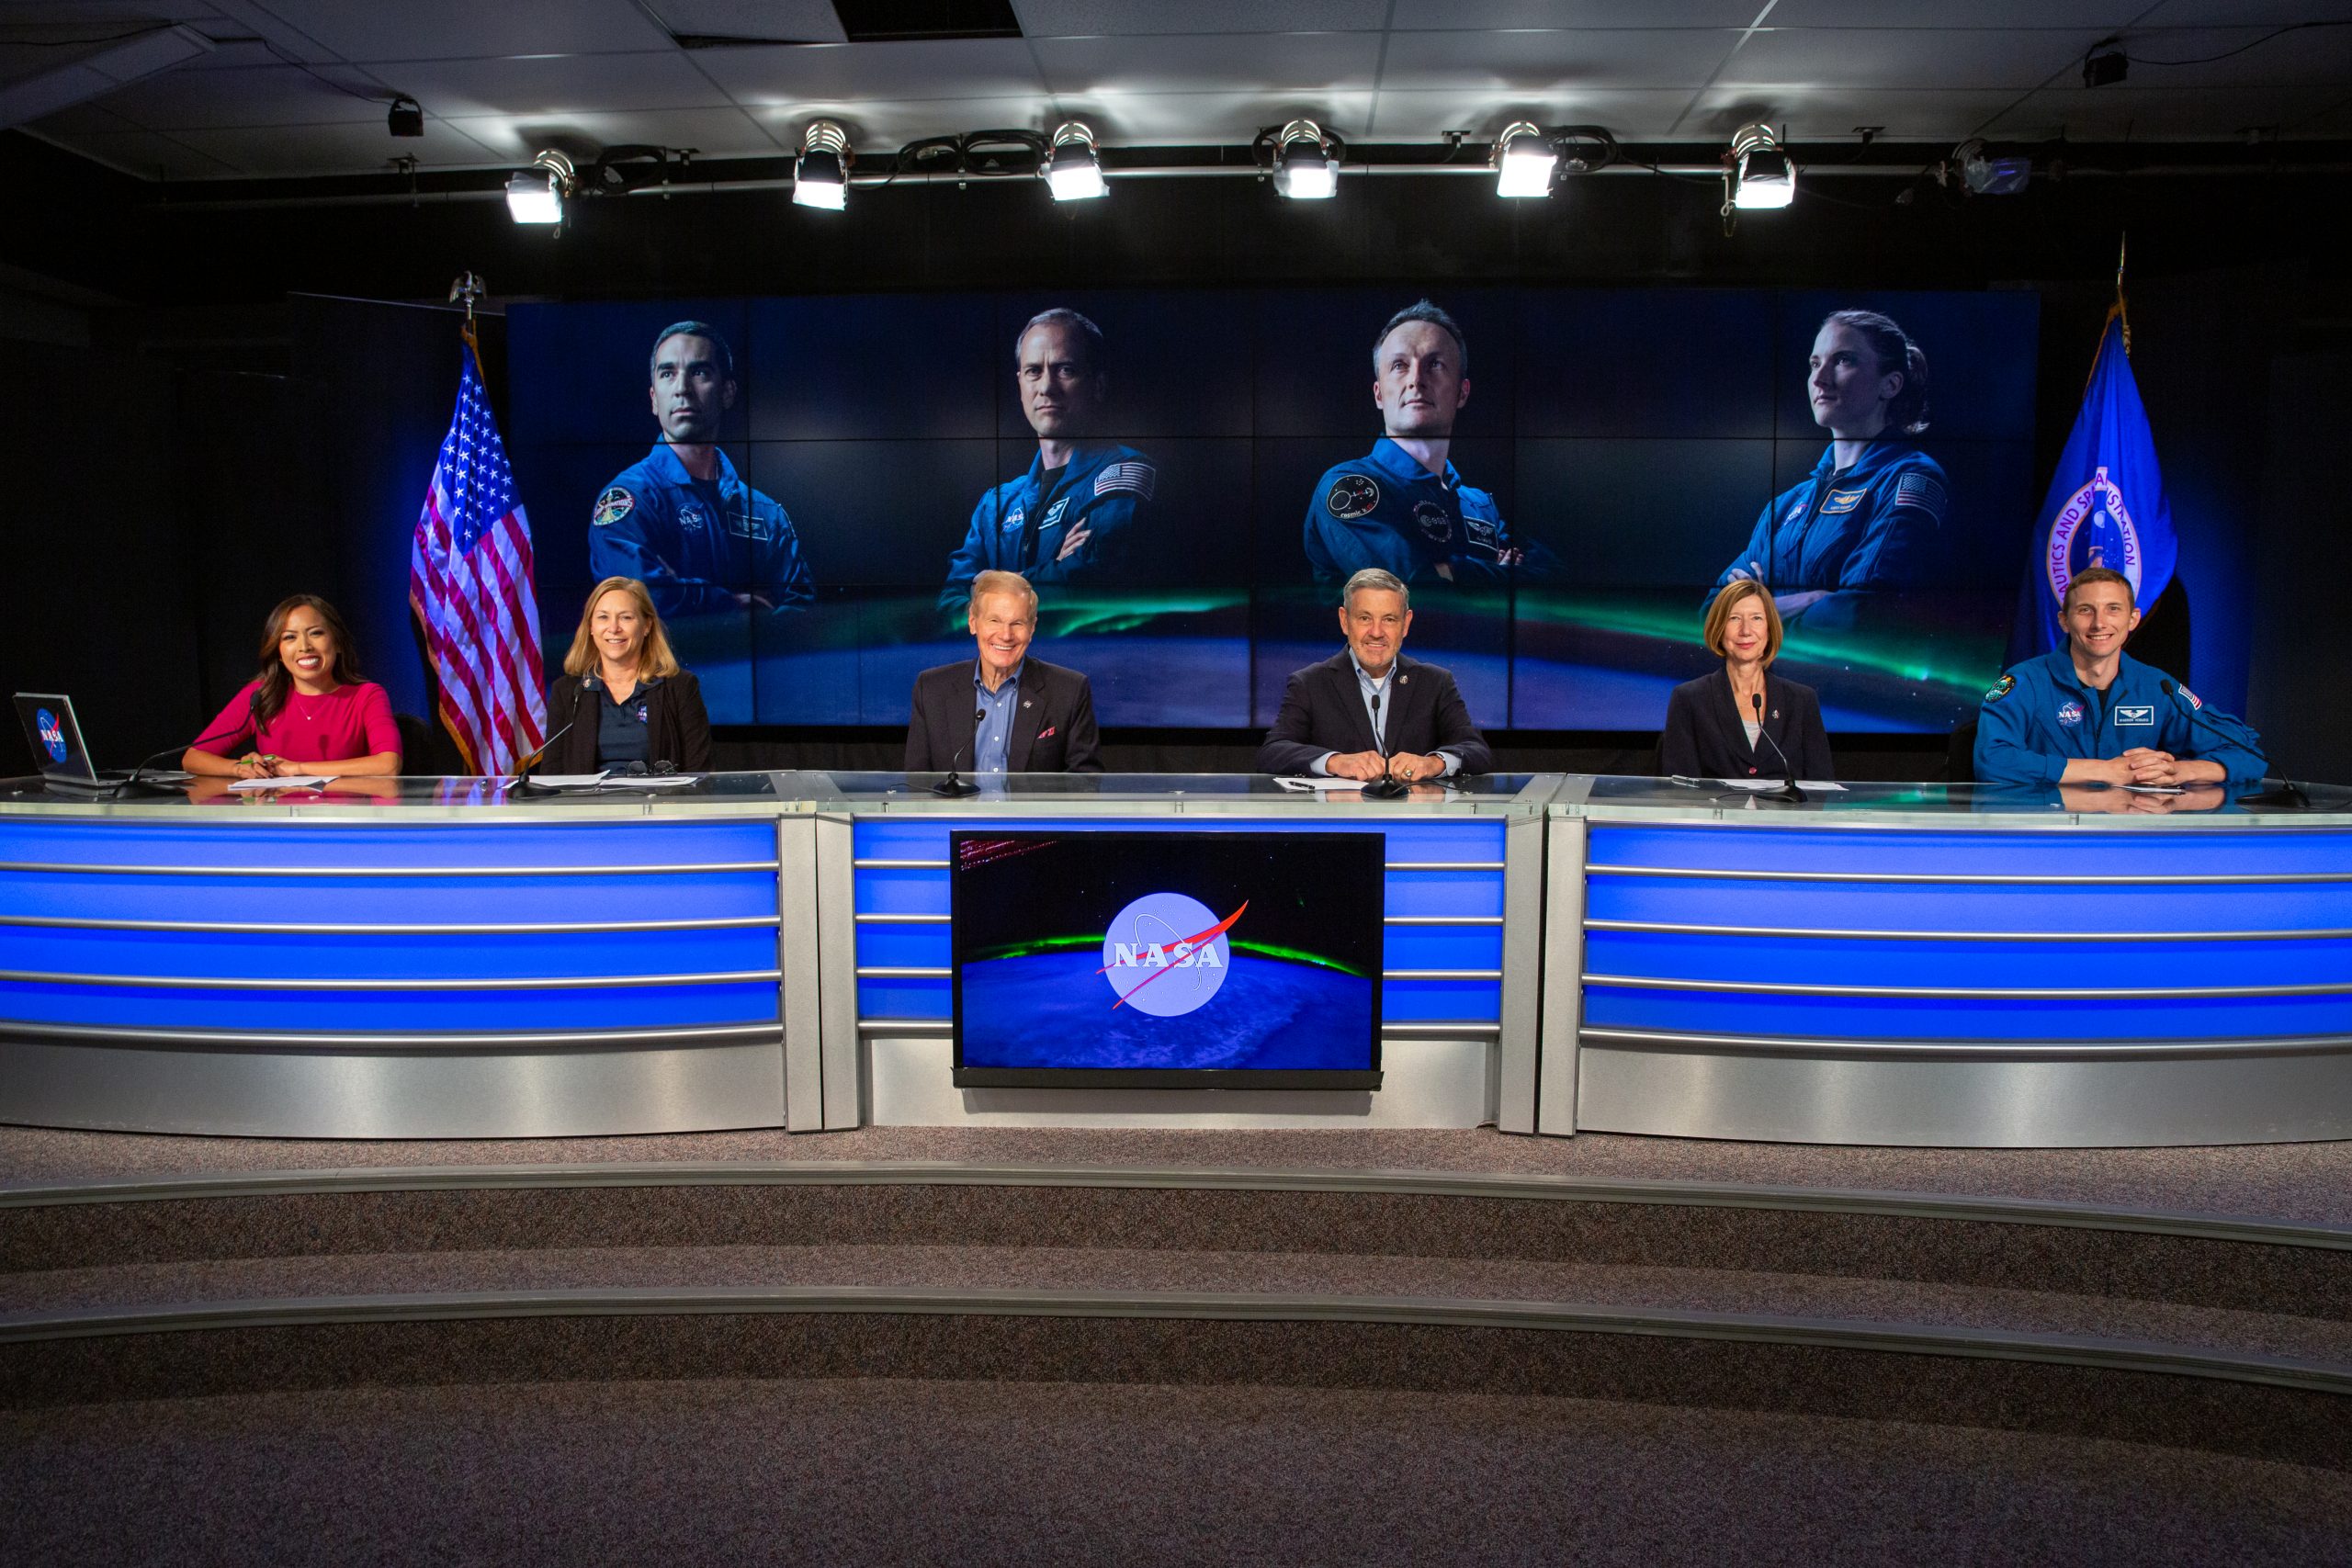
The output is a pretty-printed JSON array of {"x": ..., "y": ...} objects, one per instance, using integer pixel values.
[{"x": 2122, "y": 248}]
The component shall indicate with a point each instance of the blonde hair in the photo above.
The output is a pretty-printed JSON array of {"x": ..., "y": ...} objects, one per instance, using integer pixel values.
[
  {"x": 1719, "y": 613},
  {"x": 654, "y": 659}
]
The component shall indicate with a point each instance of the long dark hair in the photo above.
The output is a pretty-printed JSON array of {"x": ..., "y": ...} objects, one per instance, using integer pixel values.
[
  {"x": 276, "y": 679},
  {"x": 1907, "y": 410}
]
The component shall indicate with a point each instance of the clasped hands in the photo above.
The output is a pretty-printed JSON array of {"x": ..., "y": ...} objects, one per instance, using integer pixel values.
[
  {"x": 2147, "y": 766},
  {"x": 254, "y": 765},
  {"x": 1369, "y": 766}
]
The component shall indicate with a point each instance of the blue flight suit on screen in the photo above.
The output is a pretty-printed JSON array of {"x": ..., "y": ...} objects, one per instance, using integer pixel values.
[
  {"x": 1020, "y": 525},
  {"x": 2040, "y": 714},
  {"x": 1877, "y": 524},
  {"x": 695, "y": 543},
  {"x": 1386, "y": 510}
]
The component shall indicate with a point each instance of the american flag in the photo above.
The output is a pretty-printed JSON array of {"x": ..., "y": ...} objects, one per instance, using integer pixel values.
[{"x": 469, "y": 584}]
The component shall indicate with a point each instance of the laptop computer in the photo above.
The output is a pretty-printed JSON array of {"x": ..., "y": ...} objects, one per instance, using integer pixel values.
[{"x": 55, "y": 738}]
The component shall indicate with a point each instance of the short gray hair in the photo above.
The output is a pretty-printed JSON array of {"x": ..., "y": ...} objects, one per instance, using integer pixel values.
[
  {"x": 989, "y": 582},
  {"x": 1372, "y": 579}
]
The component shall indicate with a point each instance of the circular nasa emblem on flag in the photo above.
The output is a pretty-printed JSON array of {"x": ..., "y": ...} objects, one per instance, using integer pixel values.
[
  {"x": 2070, "y": 712},
  {"x": 1437, "y": 523},
  {"x": 611, "y": 507},
  {"x": 1354, "y": 495},
  {"x": 2094, "y": 529}
]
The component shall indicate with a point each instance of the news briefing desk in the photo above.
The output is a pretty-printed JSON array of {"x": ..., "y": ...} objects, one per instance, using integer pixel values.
[
  {"x": 1947, "y": 965},
  {"x": 1891, "y": 964}
]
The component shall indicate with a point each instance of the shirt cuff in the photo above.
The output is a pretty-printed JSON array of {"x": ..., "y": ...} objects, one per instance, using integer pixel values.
[
  {"x": 1321, "y": 766},
  {"x": 1453, "y": 763}
]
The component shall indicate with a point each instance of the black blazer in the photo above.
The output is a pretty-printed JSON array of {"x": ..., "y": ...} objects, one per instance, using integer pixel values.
[
  {"x": 677, "y": 725},
  {"x": 1053, "y": 730},
  {"x": 1704, "y": 738},
  {"x": 1323, "y": 711}
]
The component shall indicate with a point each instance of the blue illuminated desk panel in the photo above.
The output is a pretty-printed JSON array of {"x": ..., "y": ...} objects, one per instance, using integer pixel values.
[
  {"x": 1900, "y": 964},
  {"x": 430, "y": 960}
]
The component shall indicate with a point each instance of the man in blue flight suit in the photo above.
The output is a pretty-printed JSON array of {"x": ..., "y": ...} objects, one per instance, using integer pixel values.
[
  {"x": 1402, "y": 508},
  {"x": 1871, "y": 515},
  {"x": 683, "y": 522},
  {"x": 1083, "y": 513},
  {"x": 2089, "y": 713}
]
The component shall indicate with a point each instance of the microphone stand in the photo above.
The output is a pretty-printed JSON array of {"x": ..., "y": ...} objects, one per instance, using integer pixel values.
[
  {"x": 1387, "y": 786},
  {"x": 953, "y": 786},
  {"x": 1788, "y": 790},
  {"x": 2288, "y": 796},
  {"x": 523, "y": 782}
]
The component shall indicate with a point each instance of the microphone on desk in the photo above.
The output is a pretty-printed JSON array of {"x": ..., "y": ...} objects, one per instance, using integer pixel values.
[
  {"x": 954, "y": 787},
  {"x": 1385, "y": 787},
  {"x": 1788, "y": 790},
  {"x": 523, "y": 784},
  {"x": 2288, "y": 796}
]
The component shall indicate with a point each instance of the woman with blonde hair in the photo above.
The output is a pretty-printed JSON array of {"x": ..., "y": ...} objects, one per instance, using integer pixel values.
[
  {"x": 1743, "y": 722},
  {"x": 623, "y": 703}
]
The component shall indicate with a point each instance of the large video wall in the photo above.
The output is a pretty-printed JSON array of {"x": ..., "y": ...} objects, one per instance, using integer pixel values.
[{"x": 1630, "y": 441}]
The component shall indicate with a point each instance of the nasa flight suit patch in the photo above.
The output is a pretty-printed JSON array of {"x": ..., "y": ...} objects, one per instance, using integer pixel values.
[
  {"x": 1354, "y": 495},
  {"x": 611, "y": 507},
  {"x": 1437, "y": 523}
]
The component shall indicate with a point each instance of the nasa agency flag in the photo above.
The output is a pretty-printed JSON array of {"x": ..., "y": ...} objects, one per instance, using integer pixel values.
[{"x": 2106, "y": 505}]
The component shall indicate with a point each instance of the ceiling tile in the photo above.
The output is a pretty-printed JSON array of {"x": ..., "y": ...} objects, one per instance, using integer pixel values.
[
  {"x": 334, "y": 149},
  {"x": 2316, "y": 57},
  {"x": 712, "y": 133},
  {"x": 1630, "y": 116},
  {"x": 2160, "y": 114},
  {"x": 81, "y": 119},
  {"x": 877, "y": 127},
  {"x": 1129, "y": 18},
  {"x": 2223, "y": 12},
  {"x": 266, "y": 94},
  {"x": 1526, "y": 61},
  {"x": 583, "y": 82},
  {"x": 470, "y": 30},
  {"x": 2102, "y": 15},
  {"x": 1857, "y": 57},
  {"x": 799, "y": 21},
  {"x": 1211, "y": 63},
  {"x": 1830, "y": 114},
  {"x": 1416, "y": 15},
  {"x": 948, "y": 68},
  {"x": 1194, "y": 120},
  {"x": 147, "y": 155}
]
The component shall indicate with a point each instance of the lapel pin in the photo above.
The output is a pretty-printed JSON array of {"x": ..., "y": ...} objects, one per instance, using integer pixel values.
[
  {"x": 1025, "y": 703},
  {"x": 1402, "y": 678}
]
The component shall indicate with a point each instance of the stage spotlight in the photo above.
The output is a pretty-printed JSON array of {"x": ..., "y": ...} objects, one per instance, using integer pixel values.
[
  {"x": 1763, "y": 176},
  {"x": 1074, "y": 170},
  {"x": 821, "y": 175},
  {"x": 1304, "y": 167},
  {"x": 536, "y": 196},
  {"x": 407, "y": 118},
  {"x": 1525, "y": 160}
]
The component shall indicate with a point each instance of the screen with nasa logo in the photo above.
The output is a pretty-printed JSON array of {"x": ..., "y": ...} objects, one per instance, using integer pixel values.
[{"x": 1156, "y": 960}]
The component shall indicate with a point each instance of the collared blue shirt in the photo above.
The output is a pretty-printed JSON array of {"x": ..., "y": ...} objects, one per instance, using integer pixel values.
[
  {"x": 621, "y": 737},
  {"x": 695, "y": 543},
  {"x": 992, "y": 745},
  {"x": 1383, "y": 509},
  {"x": 1877, "y": 524},
  {"x": 1368, "y": 688}
]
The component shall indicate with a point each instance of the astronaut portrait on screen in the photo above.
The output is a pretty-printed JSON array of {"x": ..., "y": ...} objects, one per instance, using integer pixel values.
[
  {"x": 1402, "y": 507},
  {"x": 1084, "y": 515},
  {"x": 1871, "y": 513},
  {"x": 682, "y": 521}
]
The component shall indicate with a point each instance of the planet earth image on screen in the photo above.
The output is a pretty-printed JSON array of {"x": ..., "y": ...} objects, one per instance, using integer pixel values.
[{"x": 1046, "y": 1005}]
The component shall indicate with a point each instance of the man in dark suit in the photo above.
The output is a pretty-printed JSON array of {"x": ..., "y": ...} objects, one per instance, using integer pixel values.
[
  {"x": 1004, "y": 712},
  {"x": 1370, "y": 712}
]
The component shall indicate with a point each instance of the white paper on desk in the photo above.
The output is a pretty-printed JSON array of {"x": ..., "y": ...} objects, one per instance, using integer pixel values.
[
  {"x": 295, "y": 781},
  {"x": 1302, "y": 781},
  {"x": 567, "y": 781},
  {"x": 1775, "y": 783},
  {"x": 650, "y": 781}
]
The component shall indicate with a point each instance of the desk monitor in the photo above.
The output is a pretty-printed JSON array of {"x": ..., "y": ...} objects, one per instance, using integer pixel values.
[
  {"x": 1097, "y": 960},
  {"x": 55, "y": 739}
]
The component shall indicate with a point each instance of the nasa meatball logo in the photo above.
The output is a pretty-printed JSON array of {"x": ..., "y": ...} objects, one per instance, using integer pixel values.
[
  {"x": 1437, "y": 523},
  {"x": 1166, "y": 955},
  {"x": 1354, "y": 495},
  {"x": 52, "y": 734},
  {"x": 2070, "y": 712},
  {"x": 2094, "y": 529}
]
